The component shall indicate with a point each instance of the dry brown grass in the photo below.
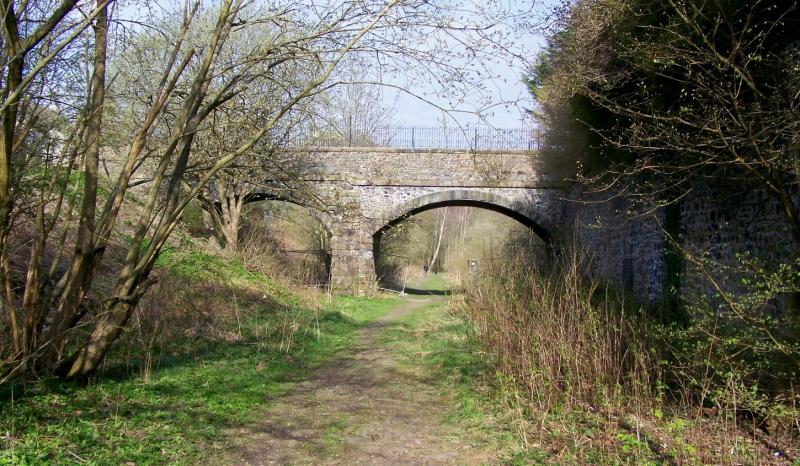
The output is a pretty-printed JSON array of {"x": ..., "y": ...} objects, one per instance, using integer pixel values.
[
  {"x": 566, "y": 341},
  {"x": 588, "y": 372}
]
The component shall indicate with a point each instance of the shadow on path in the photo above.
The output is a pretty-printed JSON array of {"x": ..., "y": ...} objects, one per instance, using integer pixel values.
[{"x": 416, "y": 291}]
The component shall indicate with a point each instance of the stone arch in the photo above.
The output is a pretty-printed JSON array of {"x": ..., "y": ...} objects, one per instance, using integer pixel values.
[
  {"x": 323, "y": 215},
  {"x": 514, "y": 208},
  {"x": 325, "y": 221}
]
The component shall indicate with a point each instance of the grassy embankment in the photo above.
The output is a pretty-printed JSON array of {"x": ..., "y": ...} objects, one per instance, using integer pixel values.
[{"x": 235, "y": 340}]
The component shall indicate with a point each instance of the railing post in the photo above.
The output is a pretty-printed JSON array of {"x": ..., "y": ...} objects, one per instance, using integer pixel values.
[
  {"x": 350, "y": 132},
  {"x": 434, "y": 138}
]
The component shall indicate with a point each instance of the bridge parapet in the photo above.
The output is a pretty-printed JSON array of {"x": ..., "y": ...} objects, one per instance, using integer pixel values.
[
  {"x": 372, "y": 166},
  {"x": 422, "y": 138}
]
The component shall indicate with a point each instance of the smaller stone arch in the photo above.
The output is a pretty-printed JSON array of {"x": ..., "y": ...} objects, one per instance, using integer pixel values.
[
  {"x": 325, "y": 221},
  {"x": 323, "y": 215},
  {"x": 517, "y": 207}
]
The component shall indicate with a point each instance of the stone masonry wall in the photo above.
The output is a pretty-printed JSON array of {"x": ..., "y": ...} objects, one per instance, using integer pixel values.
[
  {"x": 623, "y": 249},
  {"x": 720, "y": 223},
  {"x": 716, "y": 223},
  {"x": 405, "y": 167}
]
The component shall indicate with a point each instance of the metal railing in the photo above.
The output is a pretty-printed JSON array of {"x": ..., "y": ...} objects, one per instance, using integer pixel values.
[{"x": 420, "y": 137}]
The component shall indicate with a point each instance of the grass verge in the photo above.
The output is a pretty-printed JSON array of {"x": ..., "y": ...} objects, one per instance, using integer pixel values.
[
  {"x": 488, "y": 411},
  {"x": 440, "y": 345},
  {"x": 179, "y": 413}
]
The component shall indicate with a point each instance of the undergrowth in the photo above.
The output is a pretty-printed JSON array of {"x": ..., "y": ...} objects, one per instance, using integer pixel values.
[
  {"x": 594, "y": 380},
  {"x": 487, "y": 409},
  {"x": 208, "y": 348}
]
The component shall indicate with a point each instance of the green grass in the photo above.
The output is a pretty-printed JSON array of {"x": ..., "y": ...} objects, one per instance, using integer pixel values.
[
  {"x": 488, "y": 410},
  {"x": 362, "y": 311},
  {"x": 188, "y": 406},
  {"x": 333, "y": 436},
  {"x": 442, "y": 345},
  {"x": 429, "y": 282},
  {"x": 188, "y": 260}
]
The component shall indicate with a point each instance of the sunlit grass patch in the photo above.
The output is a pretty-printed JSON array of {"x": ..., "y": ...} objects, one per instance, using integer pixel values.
[
  {"x": 430, "y": 282},
  {"x": 197, "y": 392},
  {"x": 438, "y": 344},
  {"x": 363, "y": 310}
]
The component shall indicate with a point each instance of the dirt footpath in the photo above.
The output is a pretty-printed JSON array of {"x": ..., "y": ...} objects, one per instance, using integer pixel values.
[{"x": 361, "y": 408}]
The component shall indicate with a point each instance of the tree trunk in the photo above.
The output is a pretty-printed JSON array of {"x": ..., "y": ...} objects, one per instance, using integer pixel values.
[
  {"x": 114, "y": 316},
  {"x": 80, "y": 273},
  {"x": 13, "y": 79},
  {"x": 224, "y": 219},
  {"x": 438, "y": 240},
  {"x": 133, "y": 277},
  {"x": 232, "y": 215}
]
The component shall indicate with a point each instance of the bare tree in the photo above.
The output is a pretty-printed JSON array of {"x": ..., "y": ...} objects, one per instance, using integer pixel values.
[
  {"x": 166, "y": 199},
  {"x": 157, "y": 118},
  {"x": 440, "y": 234},
  {"x": 674, "y": 95},
  {"x": 33, "y": 36},
  {"x": 353, "y": 111},
  {"x": 680, "y": 90}
]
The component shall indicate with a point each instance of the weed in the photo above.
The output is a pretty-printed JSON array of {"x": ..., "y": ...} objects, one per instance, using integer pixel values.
[{"x": 599, "y": 382}]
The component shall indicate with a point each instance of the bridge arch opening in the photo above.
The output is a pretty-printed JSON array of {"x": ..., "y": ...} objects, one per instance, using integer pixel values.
[
  {"x": 283, "y": 232},
  {"x": 464, "y": 228}
]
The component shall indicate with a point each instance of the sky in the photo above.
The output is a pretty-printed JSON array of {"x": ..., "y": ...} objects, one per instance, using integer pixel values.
[{"x": 510, "y": 98}]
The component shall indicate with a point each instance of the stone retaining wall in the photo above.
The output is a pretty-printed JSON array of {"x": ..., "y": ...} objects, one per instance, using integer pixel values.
[{"x": 628, "y": 247}]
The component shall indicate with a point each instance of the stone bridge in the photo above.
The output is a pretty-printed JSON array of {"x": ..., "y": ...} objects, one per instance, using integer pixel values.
[{"x": 376, "y": 188}]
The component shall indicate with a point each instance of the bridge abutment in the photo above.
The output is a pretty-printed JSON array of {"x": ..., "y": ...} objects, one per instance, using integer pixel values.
[{"x": 352, "y": 261}]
